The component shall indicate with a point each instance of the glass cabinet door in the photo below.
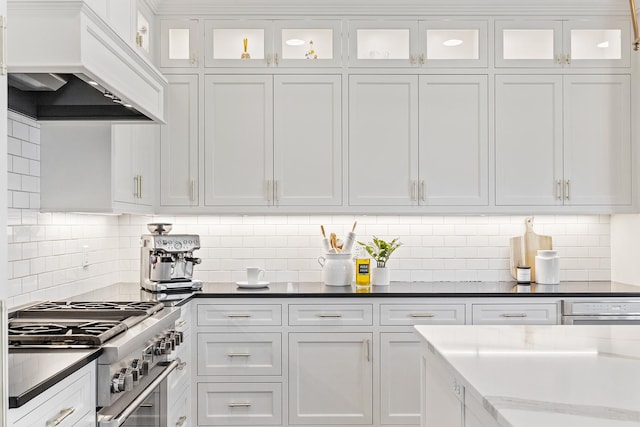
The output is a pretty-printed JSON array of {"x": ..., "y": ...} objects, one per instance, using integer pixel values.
[
  {"x": 179, "y": 43},
  {"x": 453, "y": 43},
  {"x": 241, "y": 43},
  {"x": 528, "y": 43},
  {"x": 143, "y": 33},
  {"x": 597, "y": 44},
  {"x": 314, "y": 43},
  {"x": 383, "y": 43}
]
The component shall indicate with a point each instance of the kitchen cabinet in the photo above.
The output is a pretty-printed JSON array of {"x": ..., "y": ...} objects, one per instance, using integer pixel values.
[
  {"x": 515, "y": 314},
  {"x": 265, "y": 144},
  {"x": 180, "y": 43},
  {"x": 112, "y": 167},
  {"x": 431, "y": 131},
  {"x": 430, "y": 43},
  {"x": 179, "y": 143},
  {"x": 71, "y": 402},
  {"x": 179, "y": 381},
  {"x": 563, "y": 140},
  {"x": 278, "y": 43},
  {"x": 330, "y": 378},
  {"x": 563, "y": 43}
]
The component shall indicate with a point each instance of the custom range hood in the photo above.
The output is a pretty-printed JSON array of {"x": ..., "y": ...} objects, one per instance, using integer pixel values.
[{"x": 66, "y": 63}]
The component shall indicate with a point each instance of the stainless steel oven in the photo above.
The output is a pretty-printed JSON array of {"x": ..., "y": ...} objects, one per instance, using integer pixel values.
[{"x": 601, "y": 312}]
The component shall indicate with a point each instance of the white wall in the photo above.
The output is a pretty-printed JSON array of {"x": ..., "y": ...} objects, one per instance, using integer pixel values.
[{"x": 45, "y": 250}]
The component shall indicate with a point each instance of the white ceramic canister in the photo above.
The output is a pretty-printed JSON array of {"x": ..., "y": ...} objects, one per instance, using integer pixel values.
[
  {"x": 337, "y": 269},
  {"x": 547, "y": 267}
]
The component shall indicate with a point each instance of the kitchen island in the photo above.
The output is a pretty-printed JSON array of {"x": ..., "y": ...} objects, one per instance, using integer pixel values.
[{"x": 526, "y": 376}]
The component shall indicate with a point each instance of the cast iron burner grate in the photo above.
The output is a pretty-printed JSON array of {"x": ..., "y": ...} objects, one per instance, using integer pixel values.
[{"x": 83, "y": 334}]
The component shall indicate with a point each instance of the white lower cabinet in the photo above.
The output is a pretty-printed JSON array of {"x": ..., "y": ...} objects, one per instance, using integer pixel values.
[
  {"x": 330, "y": 378},
  {"x": 515, "y": 314},
  {"x": 239, "y": 404},
  {"x": 71, "y": 402}
]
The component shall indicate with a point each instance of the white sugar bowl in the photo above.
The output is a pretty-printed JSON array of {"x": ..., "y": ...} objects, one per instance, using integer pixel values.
[{"x": 547, "y": 267}]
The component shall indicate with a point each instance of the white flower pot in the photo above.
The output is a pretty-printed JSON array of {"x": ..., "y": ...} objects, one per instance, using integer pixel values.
[{"x": 380, "y": 276}]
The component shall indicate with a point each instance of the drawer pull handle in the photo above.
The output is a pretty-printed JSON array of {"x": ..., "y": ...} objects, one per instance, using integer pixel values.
[
  {"x": 514, "y": 315},
  {"x": 181, "y": 421},
  {"x": 330, "y": 315},
  {"x": 367, "y": 346},
  {"x": 232, "y": 315},
  {"x": 181, "y": 323},
  {"x": 239, "y": 404},
  {"x": 61, "y": 417},
  {"x": 423, "y": 315},
  {"x": 181, "y": 366},
  {"x": 238, "y": 354}
]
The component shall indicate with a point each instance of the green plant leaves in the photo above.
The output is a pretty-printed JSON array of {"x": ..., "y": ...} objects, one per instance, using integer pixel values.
[{"x": 381, "y": 250}]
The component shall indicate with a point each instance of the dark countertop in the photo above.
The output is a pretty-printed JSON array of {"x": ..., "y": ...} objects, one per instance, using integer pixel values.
[
  {"x": 605, "y": 289},
  {"x": 31, "y": 372}
]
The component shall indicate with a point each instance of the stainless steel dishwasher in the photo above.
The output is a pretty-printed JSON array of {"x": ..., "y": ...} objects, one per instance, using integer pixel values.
[{"x": 614, "y": 311}]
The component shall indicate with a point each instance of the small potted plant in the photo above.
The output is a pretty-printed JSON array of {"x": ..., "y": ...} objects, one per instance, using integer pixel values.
[{"x": 380, "y": 251}]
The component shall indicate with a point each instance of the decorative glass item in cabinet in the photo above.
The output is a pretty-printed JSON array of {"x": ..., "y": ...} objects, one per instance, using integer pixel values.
[
  {"x": 453, "y": 44},
  {"x": 307, "y": 44},
  {"x": 238, "y": 43},
  {"x": 528, "y": 44},
  {"x": 383, "y": 44},
  {"x": 596, "y": 44}
]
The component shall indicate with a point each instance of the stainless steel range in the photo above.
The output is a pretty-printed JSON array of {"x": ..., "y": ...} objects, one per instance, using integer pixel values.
[{"x": 137, "y": 341}]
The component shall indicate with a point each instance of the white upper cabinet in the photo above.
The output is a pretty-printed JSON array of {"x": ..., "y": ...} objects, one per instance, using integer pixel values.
[
  {"x": 284, "y": 43},
  {"x": 563, "y": 140},
  {"x": 179, "y": 43},
  {"x": 573, "y": 43},
  {"x": 433, "y": 43}
]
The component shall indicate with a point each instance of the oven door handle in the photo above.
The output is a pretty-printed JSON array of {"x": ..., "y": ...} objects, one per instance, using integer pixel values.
[{"x": 135, "y": 404}]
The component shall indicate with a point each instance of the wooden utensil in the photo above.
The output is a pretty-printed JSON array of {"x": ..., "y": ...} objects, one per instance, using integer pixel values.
[{"x": 523, "y": 249}]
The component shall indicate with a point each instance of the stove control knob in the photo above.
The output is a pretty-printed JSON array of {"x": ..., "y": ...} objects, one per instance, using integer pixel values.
[
  {"x": 145, "y": 367},
  {"x": 118, "y": 381},
  {"x": 177, "y": 337},
  {"x": 128, "y": 379},
  {"x": 135, "y": 371},
  {"x": 159, "y": 349}
]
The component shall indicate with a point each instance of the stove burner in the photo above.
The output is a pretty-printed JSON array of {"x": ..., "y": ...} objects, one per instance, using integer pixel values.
[
  {"x": 94, "y": 306},
  {"x": 37, "y": 329},
  {"x": 89, "y": 328}
]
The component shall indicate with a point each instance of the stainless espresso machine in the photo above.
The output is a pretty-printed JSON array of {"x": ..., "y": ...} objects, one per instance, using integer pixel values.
[{"x": 166, "y": 260}]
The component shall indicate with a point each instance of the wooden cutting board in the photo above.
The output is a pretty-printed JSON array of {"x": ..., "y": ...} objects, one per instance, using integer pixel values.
[{"x": 523, "y": 249}]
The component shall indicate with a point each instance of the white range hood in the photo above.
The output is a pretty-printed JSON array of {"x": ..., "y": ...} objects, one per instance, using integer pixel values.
[{"x": 68, "y": 37}]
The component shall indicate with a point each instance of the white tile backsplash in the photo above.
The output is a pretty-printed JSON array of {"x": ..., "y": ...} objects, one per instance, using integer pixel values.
[{"x": 45, "y": 249}]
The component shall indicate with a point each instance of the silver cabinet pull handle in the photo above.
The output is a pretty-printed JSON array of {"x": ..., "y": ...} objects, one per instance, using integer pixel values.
[
  {"x": 181, "y": 421},
  {"x": 239, "y": 404},
  {"x": 61, "y": 417},
  {"x": 232, "y": 315},
  {"x": 268, "y": 190},
  {"x": 514, "y": 315},
  {"x": 140, "y": 187},
  {"x": 193, "y": 190},
  {"x": 422, "y": 315},
  {"x": 329, "y": 315},
  {"x": 559, "y": 189},
  {"x": 238, "y": 354},
  {"x": 181, "y": 323},
  {"x": 367, "y": 344},
  {"x": 422, "y": 192},
  {"x": 414, "y": 190},
  {"x": 136, "y": 187},
  {"x": 275, "y": 58},
  {"x": 567, "y": 186},
  {"x": 267, "y": 57},
  {"x": 275, "y": 191}
]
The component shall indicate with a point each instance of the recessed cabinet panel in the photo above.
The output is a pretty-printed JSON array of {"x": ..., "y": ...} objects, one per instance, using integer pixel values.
[
  {"x": 179, "y": 45},
  {"x": 528, "y": 43},
  {"x": 453, "y": 43},
  {"x": 238, "y": 43},
  {"x": 597, "y": 43},
  {"x": 315, "y": 43},
  {"x": 399, "y": 378},
  {"x": 383, "y": 44}
]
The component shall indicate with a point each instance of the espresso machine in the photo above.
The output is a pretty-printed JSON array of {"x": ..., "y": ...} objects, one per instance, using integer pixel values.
[{"x": 167, "y": 261}]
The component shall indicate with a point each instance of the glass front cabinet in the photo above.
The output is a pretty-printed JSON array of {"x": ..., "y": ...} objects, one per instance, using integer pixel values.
[
  {"x": 179, "y": 43},
  {"x": 286, "y": 43},
  {"x": 437, "y": 43},
  {"x": 562, "y": 44}
]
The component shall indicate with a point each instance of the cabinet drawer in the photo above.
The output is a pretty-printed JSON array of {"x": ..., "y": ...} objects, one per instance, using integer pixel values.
[
  {"x": 239, "y": 354},
  {"x": 68, "y": 402},
  {"x": 332, "y": 315},
  {"x": 233, "y": 404},
  {"x": 422, "y": 314},
  {"x": 239, "y": 315},
  {"x": 515, "y": 314},
  {"x": 179, "y": 413}
]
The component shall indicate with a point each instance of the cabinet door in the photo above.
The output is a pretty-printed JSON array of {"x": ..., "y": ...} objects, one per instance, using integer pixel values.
[
  {"x": 313, "y": 43},
  {"x": 399, "y": 378},
  {"x": 330, "y": 378},
  {"x": 601, "y": 43},
  {"x": 307, "y": 140},
  {"x": 597, "y": 140},
  {"x": 225, "y": 43},
  {"x": 179, "y": 144},
  {"x": 383, "y": 140},
  {"x": 528, "y": 137},
  {"x": 383, "y": 43},
  {"x": 238, "y": 140},
  {"x": 145, "y": 143},
  {"x": 134, "y": 156},
  {"x": 454, "y": 149},
  {"x": 528, "y": 43},
  {"x": 442, "y": 393},
  {"x": 125, "y": 184},
  {"x": 179, "y": 43},
  {"x": 453, "y": 43}
]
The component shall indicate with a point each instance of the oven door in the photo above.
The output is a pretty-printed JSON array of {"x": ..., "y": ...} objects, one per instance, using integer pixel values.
[
  {"x": 148, "y": 407},
  {"x": 601, "y": 320}
]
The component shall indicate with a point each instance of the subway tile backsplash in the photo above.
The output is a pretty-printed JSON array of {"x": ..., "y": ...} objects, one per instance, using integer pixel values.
[{"x": 46, "y": 250}]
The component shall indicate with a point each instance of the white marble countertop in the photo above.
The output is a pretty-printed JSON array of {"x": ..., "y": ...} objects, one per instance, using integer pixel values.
[{"x": 532, "y": 376}]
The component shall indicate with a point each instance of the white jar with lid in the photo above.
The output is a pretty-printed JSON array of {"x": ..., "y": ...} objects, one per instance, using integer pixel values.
[{"x": 547, "y": 267}]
